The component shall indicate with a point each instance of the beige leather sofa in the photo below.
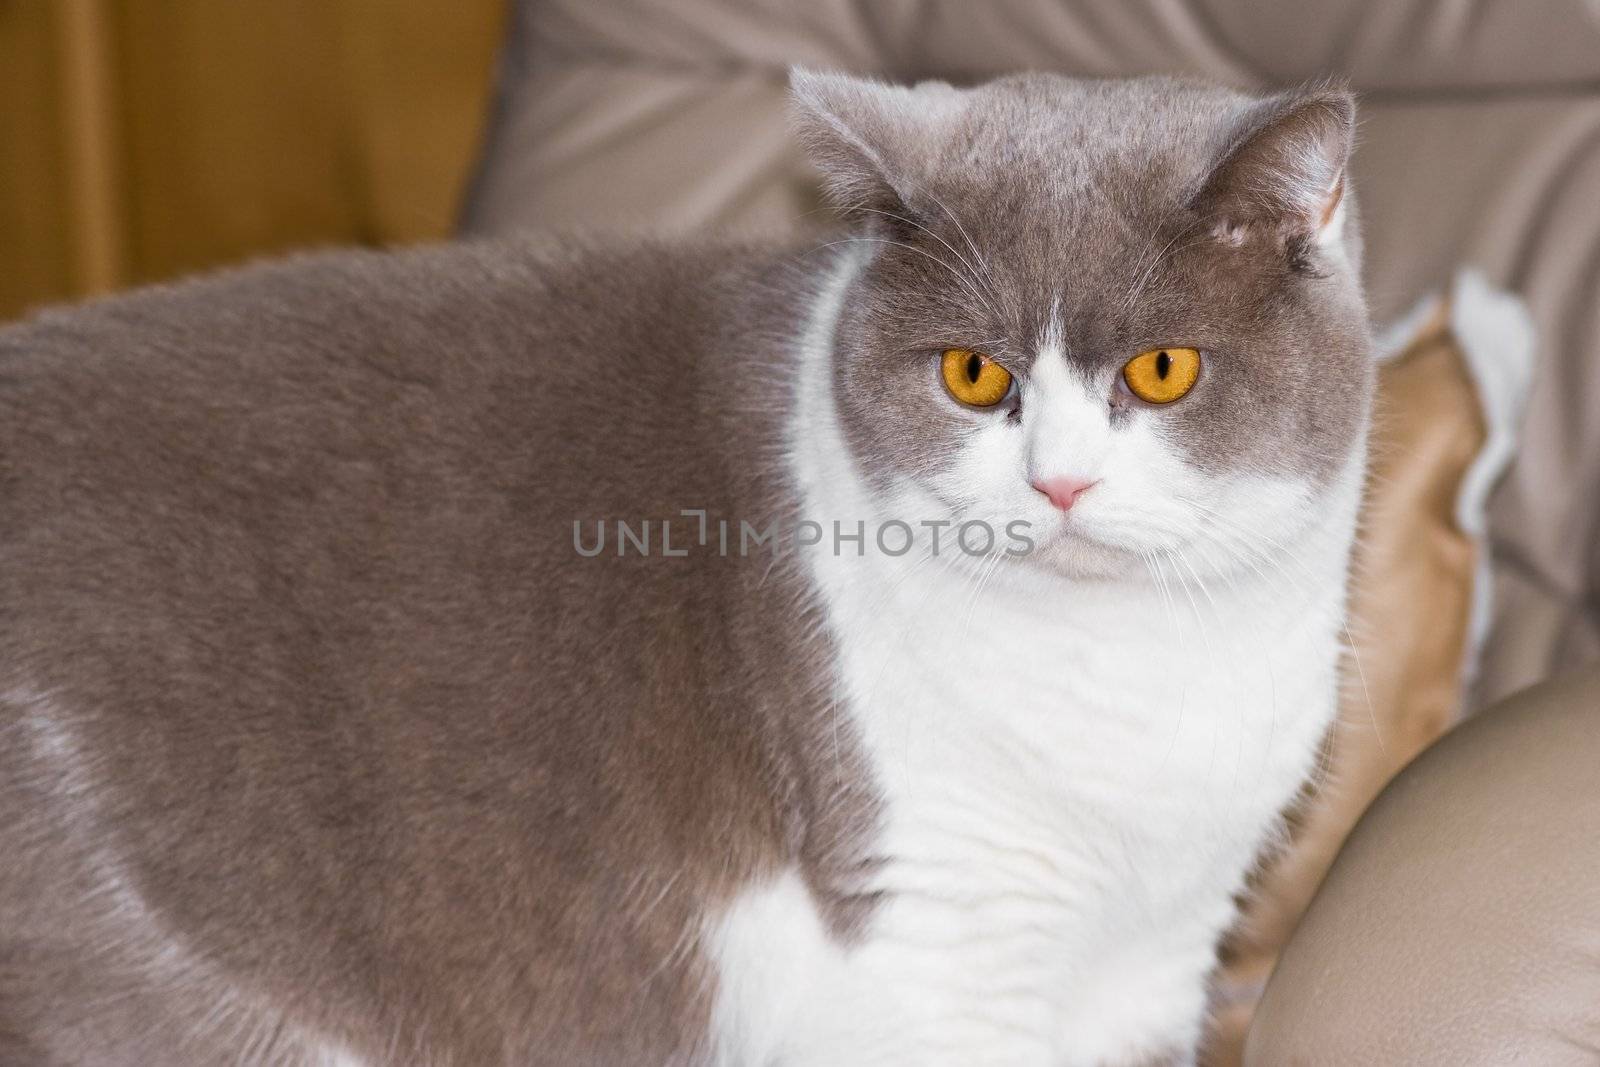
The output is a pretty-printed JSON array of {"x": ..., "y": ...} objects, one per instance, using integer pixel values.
[{"x": 1461, "y": 924}]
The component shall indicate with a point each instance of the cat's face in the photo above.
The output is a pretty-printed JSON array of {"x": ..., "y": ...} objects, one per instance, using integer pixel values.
[{"x": 1124, "y": 312}]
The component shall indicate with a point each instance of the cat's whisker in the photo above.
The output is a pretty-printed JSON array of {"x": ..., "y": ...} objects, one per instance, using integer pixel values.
[
  {"x": 1216, "y": 615},
  {"x": 1265, "y": 659},
  {"x": 1183, "y": 692},
  {"x": 1194, "y": 606},
  {"x": 1167, "y": 251},
  {"x": 1153, "y": 563},
  {"x": 967, "y": 237},
  {"x": 1349, "y": 640},
  {"x": 1280, "y": 555},
  {"x": 961, "y": 229},
  {"x": 970, "y": 287},
  {"x": 956, "y": 219},
  {"x": 1165, "y": 589},
  {"x": 1248, "y": 558},
  {"x": 978, "y": 282},
  {"x": 985, "y": 571}
]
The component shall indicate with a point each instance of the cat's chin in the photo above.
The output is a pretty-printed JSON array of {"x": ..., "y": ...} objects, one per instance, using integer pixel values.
[{"x": 1073, "y": 554}]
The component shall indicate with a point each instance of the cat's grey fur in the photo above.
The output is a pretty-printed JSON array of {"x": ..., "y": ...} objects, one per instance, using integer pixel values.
[
  {"x": 312, "y": 711},
  {"x": 316, "y": 732}
]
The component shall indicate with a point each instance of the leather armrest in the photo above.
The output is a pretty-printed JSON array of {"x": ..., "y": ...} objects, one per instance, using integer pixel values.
[{"x": 1460, "y": 924}]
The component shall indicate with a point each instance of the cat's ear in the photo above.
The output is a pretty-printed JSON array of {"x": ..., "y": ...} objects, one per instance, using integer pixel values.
[
  {"x": 1284, "y": 171},
  {"x": 868, "y": 138}
]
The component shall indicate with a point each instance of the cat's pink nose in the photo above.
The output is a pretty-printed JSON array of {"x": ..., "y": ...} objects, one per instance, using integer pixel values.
[{"x": 1064, "y": 490}]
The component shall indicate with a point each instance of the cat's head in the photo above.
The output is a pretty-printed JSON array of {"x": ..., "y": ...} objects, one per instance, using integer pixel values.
[{"x": 1127, "y": 312}]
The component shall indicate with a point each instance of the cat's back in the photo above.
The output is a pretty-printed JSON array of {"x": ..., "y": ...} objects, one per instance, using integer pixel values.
[
  {"x": 402, "y": 357},
  {"x": 304, "y": 687},
  {"x": 348, "y": 411},
  {"x": 367, "y": 449}
]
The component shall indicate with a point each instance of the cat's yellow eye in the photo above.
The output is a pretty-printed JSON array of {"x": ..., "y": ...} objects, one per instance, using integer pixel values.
[
  {"x": 973, "y": 378},
  {"x": 1162, "y": 375}
]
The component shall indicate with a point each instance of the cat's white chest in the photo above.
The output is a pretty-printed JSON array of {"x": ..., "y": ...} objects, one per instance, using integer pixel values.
[
  {"x": 1075, "y": 775},
  {"x": 1074, "y": 784}
]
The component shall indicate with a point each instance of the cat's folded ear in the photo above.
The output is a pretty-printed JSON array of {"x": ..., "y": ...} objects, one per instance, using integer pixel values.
[
  {"x": 1283, "y": 171},
  {"x": 869, "y": 139}
]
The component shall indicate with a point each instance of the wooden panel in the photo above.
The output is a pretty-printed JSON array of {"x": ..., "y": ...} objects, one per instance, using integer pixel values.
[
  {"x": 235, "y": 129},
  {"x": 92, "y": 145},
  {"x": 418, "y": 79},
  {"x": 35, "y": 247},
  {"x": 142, "y": 139}
]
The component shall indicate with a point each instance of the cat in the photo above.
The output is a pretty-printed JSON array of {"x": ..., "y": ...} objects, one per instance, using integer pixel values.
[{"x": 566, "y": 652}]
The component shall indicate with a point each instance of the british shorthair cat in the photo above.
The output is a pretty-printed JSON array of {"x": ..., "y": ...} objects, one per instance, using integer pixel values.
[{"x": 551, "y": 652}]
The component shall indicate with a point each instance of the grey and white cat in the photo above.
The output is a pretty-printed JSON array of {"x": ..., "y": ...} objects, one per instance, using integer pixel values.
[{"x": 329, "y": 738}]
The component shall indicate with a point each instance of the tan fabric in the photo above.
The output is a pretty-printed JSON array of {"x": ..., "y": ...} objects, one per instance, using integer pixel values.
[
  {"x": 141, "y": 140},
  {"x": 1480, "y": 145},
  {"x": 1410, "y": 608},
  {"x": 1459, "y": 927}
]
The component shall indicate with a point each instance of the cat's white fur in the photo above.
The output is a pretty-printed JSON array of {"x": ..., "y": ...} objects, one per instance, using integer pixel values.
[{"x": 1077, "y": 772}]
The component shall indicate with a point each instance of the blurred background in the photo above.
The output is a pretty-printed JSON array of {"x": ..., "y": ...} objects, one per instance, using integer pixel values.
[{"x": 143, "y": 139}]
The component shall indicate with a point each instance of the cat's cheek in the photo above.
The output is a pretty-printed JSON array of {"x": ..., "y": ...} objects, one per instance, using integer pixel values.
[
  {"x": 1266, "y": 510},
  {"x": 988, "y": 469},
  {"x": 1144, "y": 499}
]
